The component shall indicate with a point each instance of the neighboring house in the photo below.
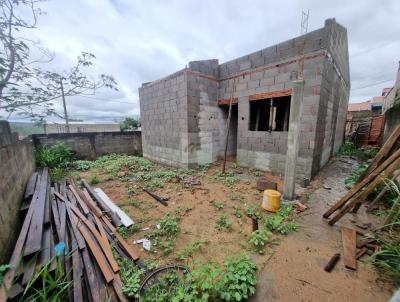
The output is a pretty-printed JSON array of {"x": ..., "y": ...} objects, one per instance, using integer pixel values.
[
  {"x": 79, "y": 127},
  {"x": 183, "y": 115},
  {"x": 362, "y": 109},
  {"x": 366, "y": 119},
  {"x": 391, "y": 106},
  {"x": 357, "y": 113},
  {"x": 376, "y": 105}
]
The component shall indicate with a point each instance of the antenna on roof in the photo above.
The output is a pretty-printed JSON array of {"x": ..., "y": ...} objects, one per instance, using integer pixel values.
[
  {"x": 304, "y": 29},
  {"x": 304, "y": 21}
]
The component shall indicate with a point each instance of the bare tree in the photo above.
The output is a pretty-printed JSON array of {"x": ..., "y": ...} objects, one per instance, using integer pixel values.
[
  {"x": 24, "y": 87},
  {"x": 73, "y": 83}
]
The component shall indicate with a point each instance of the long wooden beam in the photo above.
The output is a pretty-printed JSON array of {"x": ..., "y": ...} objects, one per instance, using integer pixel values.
[
  {"x": 390, "y": 142},
  {"x": 361, "y": 184}
]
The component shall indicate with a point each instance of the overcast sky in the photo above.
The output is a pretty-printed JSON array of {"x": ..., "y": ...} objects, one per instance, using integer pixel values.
[{"x": 140, "y": 41}]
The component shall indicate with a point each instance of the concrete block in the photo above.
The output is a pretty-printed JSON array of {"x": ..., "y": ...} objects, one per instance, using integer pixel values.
[{"x": 245, "y": 65}]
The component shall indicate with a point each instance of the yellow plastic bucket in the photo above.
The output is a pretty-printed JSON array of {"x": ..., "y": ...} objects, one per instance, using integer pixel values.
[{"x": 271, "y": 200}]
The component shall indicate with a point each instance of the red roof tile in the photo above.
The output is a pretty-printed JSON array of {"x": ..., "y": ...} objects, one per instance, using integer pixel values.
[
  {"x": 377, "y": 99},
  {"x": 363, "y": 106}
]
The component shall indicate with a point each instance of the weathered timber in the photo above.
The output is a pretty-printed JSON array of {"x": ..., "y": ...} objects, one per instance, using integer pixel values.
[
  {"x": 332, "y": 263},
  {"x": 363, "y": 194},
  {"x": 34, "y": 237},
  {"x": 30, "y": 187},
  {"x": 97, "y": 254},
  {"x": 156, "y": 197},
  {"x": 349, "y": 241},
  {"x": 357, "y": 187},
  {"x": 384, "y": 151},
  {"x": 103, "y": 243},
  {"x": 82, "y": 204}
]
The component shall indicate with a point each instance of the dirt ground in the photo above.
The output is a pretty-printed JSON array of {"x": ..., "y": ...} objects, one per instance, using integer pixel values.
[
  {"x": 290, "y": 271},
  {"x": 295, "y": 271},
  {"x": 198, "y": 216}
]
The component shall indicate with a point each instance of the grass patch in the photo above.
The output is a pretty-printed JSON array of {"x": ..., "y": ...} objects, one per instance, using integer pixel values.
[
  {"x": 48, "y": 285},
  {"x": 387, "y": 260}
]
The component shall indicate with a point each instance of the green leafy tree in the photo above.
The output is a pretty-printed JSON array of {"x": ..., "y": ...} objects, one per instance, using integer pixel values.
[{"x": 129, "y": 124}]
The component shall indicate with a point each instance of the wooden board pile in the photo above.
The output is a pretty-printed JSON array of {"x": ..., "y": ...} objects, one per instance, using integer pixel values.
[
  {"x": 383, "y": 166},
  {"x": 81, "y": 223}
]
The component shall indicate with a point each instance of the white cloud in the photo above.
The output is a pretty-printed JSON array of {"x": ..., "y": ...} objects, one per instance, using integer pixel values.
[{"x": 140, "y": 41}]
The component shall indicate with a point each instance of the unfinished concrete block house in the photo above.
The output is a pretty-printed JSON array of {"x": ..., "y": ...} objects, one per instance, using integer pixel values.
[{"x": 184, "y": 115}]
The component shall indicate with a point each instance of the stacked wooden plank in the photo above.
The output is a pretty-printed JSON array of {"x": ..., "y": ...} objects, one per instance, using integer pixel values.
[
  {"x": 383, "y": 166},
  {"x": 80, "y": 223}
]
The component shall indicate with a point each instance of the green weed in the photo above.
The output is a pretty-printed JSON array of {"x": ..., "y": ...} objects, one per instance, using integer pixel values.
[
  {"x": 83, "y": 165},
  {"x": 94, "y": 179},
  {"x": 57, "y": 156},
  {"x": 223, "y": 223},
  {"x": 235, "y": 281},
  {"x": 258, "y": 239},
  {"x": 130, "y": 276},
  {"x": 189, "y": 250},
  {"x": 219, "y": 205},
  {"x": 370, "y": 152},
  {"x": 280, "y": 221},
  {"x": 204, "y": 168},
  {"x": 237, "y": 212},
  {"x": 252, "y": 212},
  {"x": 57, "y": 174},
  {"x": 228, "y": 178},
  {"x": 351, "y": 180},
  {"x": 387, "y": 260},
  {"x": 3, "y": 269},
  {"x": 236, "y": 197},
  {"x": 48, "y": 285},
  {"x": 128, "y": 232},
  {"x": 164, "y": 236},
  {"x": 348, "y": 148}
]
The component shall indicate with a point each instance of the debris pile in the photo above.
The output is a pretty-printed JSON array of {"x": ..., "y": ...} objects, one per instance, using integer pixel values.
[
  {"x": 385, "y": 165},
  {"x": 72, "y": 227}
]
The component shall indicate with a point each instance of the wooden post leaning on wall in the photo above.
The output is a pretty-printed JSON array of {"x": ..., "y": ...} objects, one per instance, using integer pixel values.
[{"x": 228, "y": 124}]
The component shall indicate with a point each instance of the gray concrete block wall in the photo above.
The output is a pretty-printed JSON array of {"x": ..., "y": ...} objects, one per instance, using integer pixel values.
[
  {"x": 323, "y": 53},
  {"x": 273, "y": 79},
  {"x": 81, "y": 127},
  {"x": 334, "y": 97},
  {"x": 209, "y": 67},
  {"x": 203, "y": 120},
  {"x": 16, "y": 166},
  {"x": 94, "y": 144},
  {"x": 164, "y": 111},
  {"x": 274, "y": 54}
]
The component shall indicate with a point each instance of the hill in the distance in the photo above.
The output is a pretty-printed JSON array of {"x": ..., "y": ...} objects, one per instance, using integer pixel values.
[{"x": 25, "y": 129}]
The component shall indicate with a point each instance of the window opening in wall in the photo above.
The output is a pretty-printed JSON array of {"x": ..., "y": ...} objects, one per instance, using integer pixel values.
[{"x": 270, "y": 114}]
